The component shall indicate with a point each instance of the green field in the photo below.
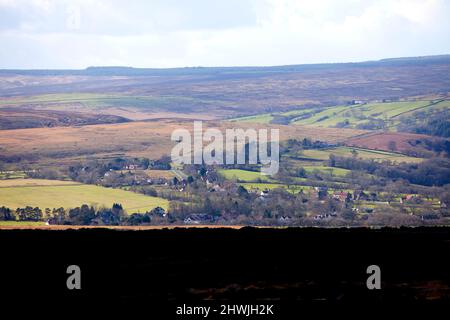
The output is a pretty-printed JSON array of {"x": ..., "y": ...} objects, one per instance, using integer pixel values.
[
  {"x": 262, "y": 118},
  {"x": 12, "y": 174},
  {"x": 57, "y": 194},
  {"x": 270, "y": 186},
  {"x": 243, "y": 175},
  {"x": 354, "y": 114},
  {"x": 21, "y": 223},
  {"x": 359, "y": 114},
  {"x": 322, "y": 118},
  {"x": 391, "y": 109},
  {"x": 98, "y": 101},
  {"x": 365, "y": 154},
  {"x": 297, "y": 112},
  {"x": 324, "y": 169}
]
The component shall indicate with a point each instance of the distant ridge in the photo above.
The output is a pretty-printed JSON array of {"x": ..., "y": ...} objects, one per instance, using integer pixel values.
[{"x": 131, "y": 71}]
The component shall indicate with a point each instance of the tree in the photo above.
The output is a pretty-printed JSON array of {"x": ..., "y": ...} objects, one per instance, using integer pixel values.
[
  {"x": 242, "y": 192},
  {"x": 392, "y": 145},
  {"x": 81, "y": 215},
  {"x": 348, "y": 214},
  {"x": 332, "y": 160},
  {"x": 29, "y": 213},
  {"x": 301, "y": 172},
  {"x": 6, "y": 214}
]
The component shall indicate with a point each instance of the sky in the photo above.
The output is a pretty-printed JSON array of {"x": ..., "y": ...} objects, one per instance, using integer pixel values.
[{"x": 62, "y": 34}]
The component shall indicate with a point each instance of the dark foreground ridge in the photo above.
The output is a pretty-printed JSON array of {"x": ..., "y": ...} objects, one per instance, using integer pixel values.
[{"x": 162, "y": 269}]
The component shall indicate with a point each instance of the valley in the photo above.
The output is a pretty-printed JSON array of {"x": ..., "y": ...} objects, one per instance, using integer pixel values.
[{"x": 361, "y": 144}]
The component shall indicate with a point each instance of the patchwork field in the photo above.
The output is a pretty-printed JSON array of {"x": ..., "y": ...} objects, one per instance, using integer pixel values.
[
  {"x": 263, "y": 118},
  {"x": 54, "y": 194},
  {"x": 349, "y": 116},
  {"x": 243, "y": 175},
  {"x": 360, "y": 114},
  {"x": 330, "y": 170},
  {"x": 380, "y": 141},
  {"x": 21, "y": 224},
  {"x": 253, "y": 187},
  {"x": 359, "y": 153},
  {"x": 35, "y": 183}
]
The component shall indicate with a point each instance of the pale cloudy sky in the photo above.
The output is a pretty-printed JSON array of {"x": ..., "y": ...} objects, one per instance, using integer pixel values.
[{"x": 179, "y": 33}]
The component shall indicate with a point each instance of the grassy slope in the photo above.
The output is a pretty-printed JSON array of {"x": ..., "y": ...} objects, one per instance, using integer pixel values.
[
  {"x": 262, "y": 118},
  {"x": 333, "y": 171},
  {"x": 21, "y": 223},
  {"x": 269, "y": 186},
  {"x": 67, "y": 196},
  {"x": 381, "y": 111},
  {"x": 361, "y": 153},
  {"x": 243, "y": 175},
  {"x": 318, "y": 118}
]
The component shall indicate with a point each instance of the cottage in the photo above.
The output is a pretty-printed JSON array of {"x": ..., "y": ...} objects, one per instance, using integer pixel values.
[
  {"x": 198, "y": 218},
  {"x": 263, "y": 194},
  {"x": 284, "y": 219},
  {"x": 411, "y": 198},
  {"x": 217, "y": 188}
]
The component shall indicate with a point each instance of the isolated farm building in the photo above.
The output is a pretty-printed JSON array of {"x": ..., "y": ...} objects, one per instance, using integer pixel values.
[
  {"x": 217, "y": 188},
  {"x": 410, "y": 197},
  {"x": 353, "y": 102},
  {"x": 263, "y": 194},
  {"x": 198, "y": 218},
  {"x": 284, "y": 219}
]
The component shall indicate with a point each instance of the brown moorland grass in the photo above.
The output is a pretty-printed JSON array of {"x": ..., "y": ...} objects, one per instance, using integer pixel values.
[
  {"x": 149, "y": 139},
  {"x": 380, "y": 141},
  {"x": 35, "y": 183}
]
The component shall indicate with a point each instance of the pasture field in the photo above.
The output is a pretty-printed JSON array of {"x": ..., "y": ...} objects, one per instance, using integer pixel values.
[
  {"x": 331, "y": 170},
  {"x": 12, "y": 174},
  {"x": 359, "y": 114},
  {"x": 380, "y": 141},
  {"x": 55, "y": 194},
  {"x": 391, "y": 109},
  {"x": 445, "y": 104},
  {"x": 262, "y": 118},
  {"x": 166, "y": 174},
  {"x": 365, "y": 154},
  {"x": 320, "y": 118},
  {"x": 298, "y": 112},
  {"x": 28, "y": 224},
  {"x": 270, "y": 186},
  {"x": 243, "y": 175},
  {"x": 35, "y": 183},
  {"x": 353, "y": 114},
  {"x": 151, "y": 173}
]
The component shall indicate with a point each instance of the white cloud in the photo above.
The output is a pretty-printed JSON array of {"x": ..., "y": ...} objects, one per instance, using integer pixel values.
[{"x": 40, "y": 34}]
